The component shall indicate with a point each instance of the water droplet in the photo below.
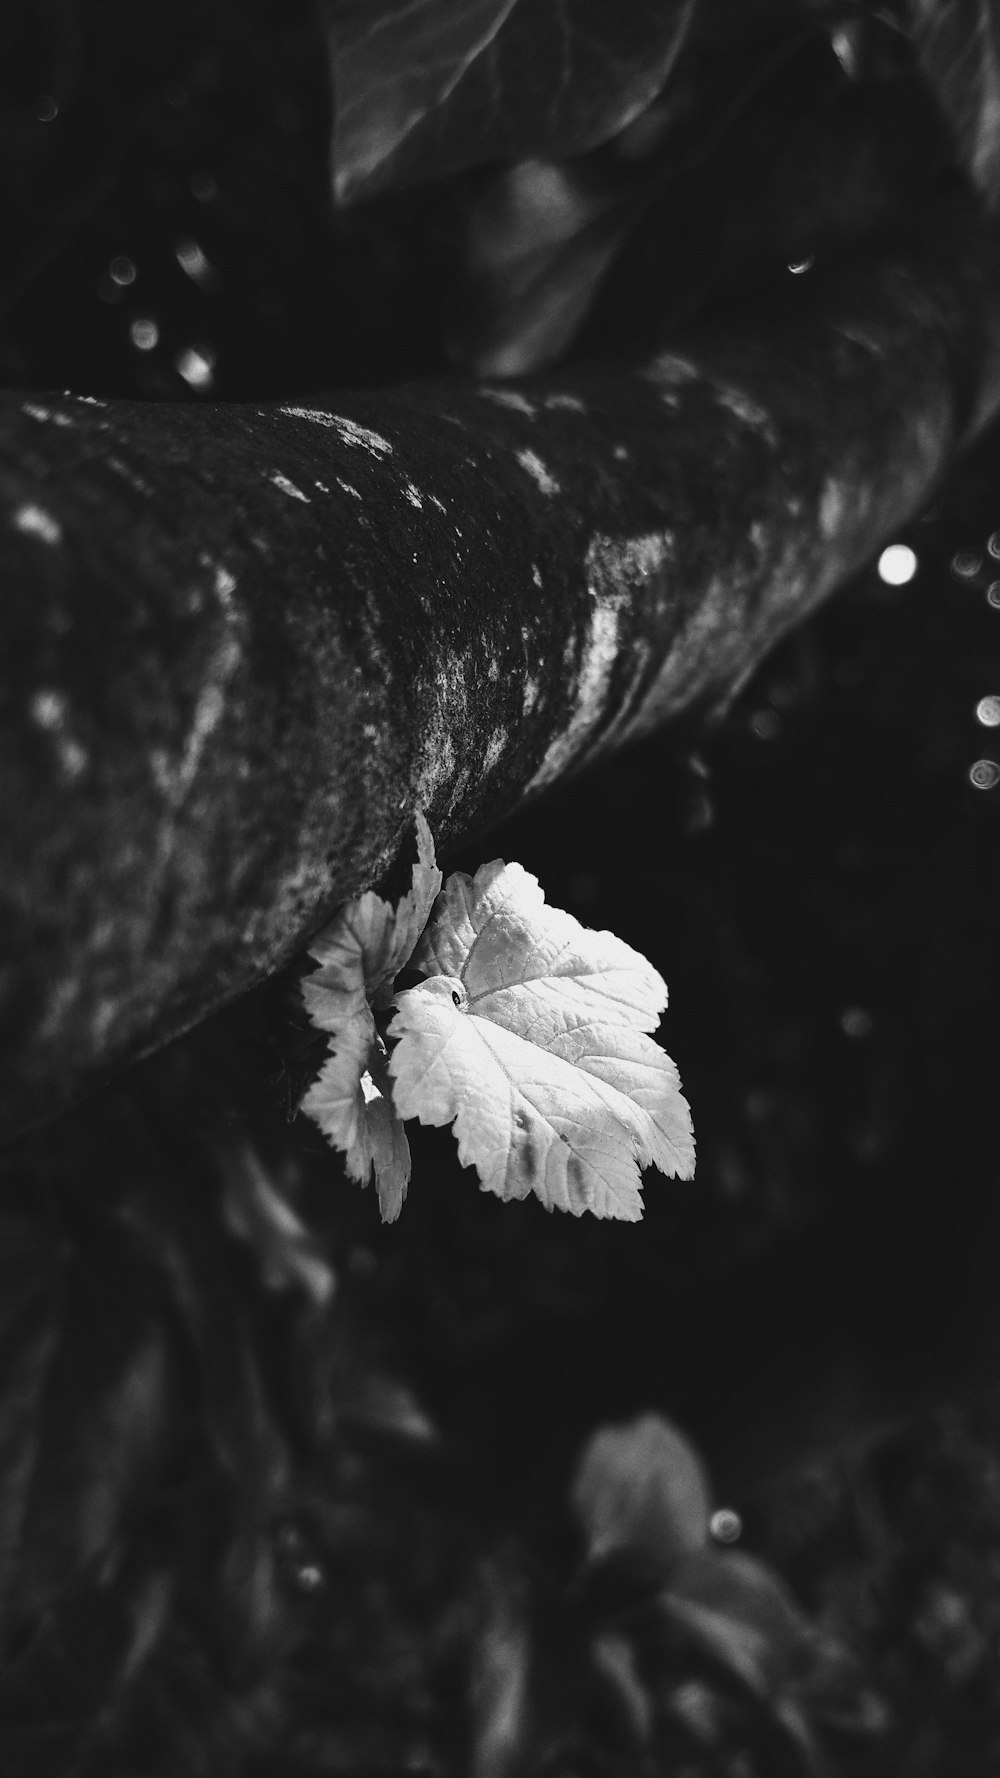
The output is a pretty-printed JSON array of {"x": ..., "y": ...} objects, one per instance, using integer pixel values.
[
  {"x": 46, "y": 108},
  {"x": 988, "y": 712},
  {"x": 726, "y": 1526},
  {"x": 993, "y": 543},
  {"x": 144, "y": 333},
  {"x": 966, "y": 564},
  {"x": 121, "y": 271},
  {"x": 993, "y": 594},
  {"x": 897, "y": 564},
  {"x": 196, "y": 364},
  {"x": 985, "y": 774},
  {"x": 856, "y": 1022}
]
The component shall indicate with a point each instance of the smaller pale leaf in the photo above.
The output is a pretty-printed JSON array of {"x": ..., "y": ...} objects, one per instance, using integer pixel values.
[
  {"x": 370, "y": 931},
  {"x": 387, "y": 1144},
  {"x": 529, "y": 1036},
  {"x": 360, "y": 954},
  {"x": 336, "y": 1102}
]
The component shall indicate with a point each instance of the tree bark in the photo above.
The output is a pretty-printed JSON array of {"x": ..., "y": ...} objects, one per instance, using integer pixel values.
[{"x": 244, "y": 643}]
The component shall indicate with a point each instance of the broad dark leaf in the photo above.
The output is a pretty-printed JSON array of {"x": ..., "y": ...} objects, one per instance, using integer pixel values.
[
  {"x": 745, "y": 1616},
  {"x": 958, "y": 43},
  {"x": 539, "y": 240},
  {"x": 423, "y": 88},
  {"x": 257, "y": 1211},
  {"x": 640, "y": 1490},
  {"x": 85, "y": 1396}
]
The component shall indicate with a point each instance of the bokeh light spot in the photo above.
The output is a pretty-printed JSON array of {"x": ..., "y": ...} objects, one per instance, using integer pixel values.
[
  {"x": 121, "y": 271},
  {"x": 726, "y": 1526},
  {"x": 144, "y": 333},
  {"x": 46, "y": 108},
  {"x": 196, "y": 364},
  {"x": 192, "y": 260},
  {"x": 985, "y": 774},
  {"x": 897, "y": 564},
  {"x": 988, "y": 712},
  {"x": 856, "y": 1022},
  {"x": 966, "y": 564}
]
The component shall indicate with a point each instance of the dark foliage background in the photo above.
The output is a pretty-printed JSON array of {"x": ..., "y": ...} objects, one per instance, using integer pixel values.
[{"x": 293, "y": 1494}]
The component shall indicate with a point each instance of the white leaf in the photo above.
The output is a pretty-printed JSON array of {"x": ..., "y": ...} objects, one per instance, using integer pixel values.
[
  {"x": 529, "y": 1035},
  {"x": 360, "y": 953}
]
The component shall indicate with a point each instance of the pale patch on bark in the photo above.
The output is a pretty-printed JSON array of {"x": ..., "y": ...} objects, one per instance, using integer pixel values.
[
  {"x": 532, "y": 464},
  {"x": 286, "y": 486},
  {"x": 349, "y": 430},
  {"x": 615, "y": 563},
  {"x": 448, "y": 716},
  {"x": 726, "y": 635},
  {"x": 510, "y": 398},
  {"x": 36, "y": 411},
  {"x": 743, "y": 407},
  {"x": 600, "y": 652},
  {"x": 617, "y": 569},
  {"x": 494, "y": 750},
  {"x": 175, "y": 778},
  {"x": 128, "y": 474}
]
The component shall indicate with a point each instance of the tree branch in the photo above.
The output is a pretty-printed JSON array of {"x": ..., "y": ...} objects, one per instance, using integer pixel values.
[{"x": 246, "y": 642}]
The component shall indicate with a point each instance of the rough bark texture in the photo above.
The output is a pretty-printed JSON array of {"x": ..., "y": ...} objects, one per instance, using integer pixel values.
[{"x": 244, "y": 643}]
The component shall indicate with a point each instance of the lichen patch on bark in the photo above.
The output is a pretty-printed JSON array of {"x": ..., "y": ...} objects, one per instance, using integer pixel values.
[
  {"x": 36, "y": 411},
  {"x": 532, "y": 464},
  {"x": 511, "y": 399},
  {"x": 349, "y": 430},
  {"x": 588, "y": 694},
  {"x": 287, "y": 487}
]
